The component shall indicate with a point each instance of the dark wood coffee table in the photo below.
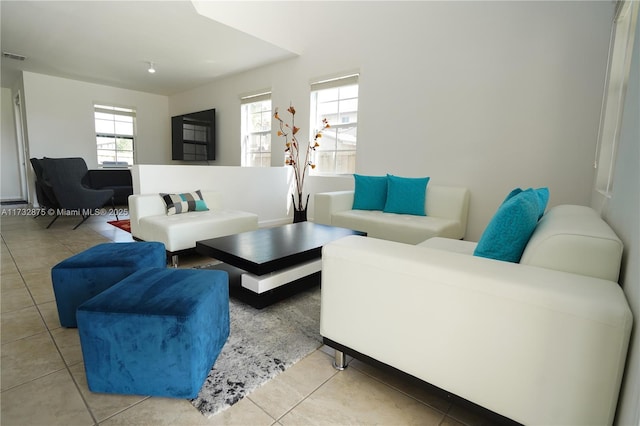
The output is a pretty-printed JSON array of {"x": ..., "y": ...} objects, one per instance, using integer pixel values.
[{"x": 271, "y": 263}]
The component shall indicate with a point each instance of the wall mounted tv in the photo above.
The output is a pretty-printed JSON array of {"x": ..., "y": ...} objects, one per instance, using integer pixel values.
[{"x": 193, "y": 136}]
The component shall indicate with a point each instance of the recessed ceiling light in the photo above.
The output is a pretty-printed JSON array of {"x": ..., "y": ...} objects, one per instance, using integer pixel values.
[{"x": 151, "y": 69}]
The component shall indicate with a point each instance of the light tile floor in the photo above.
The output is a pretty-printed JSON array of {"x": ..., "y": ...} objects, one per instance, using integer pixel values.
[{"x": 43, "y": 380}]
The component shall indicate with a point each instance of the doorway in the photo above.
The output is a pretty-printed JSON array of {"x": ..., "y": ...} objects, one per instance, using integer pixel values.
[{"x": 22, "y": 148}]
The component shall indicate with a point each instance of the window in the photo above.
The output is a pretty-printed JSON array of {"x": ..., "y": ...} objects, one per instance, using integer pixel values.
[
  {"x": 337, "y": 101},
  {"x": 620, "y": 52},
  {"x": 255, "y": 134},
  {"x": 115, "y": 134}
]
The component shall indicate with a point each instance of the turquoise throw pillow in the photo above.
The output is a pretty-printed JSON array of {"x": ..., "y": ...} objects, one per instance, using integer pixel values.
[
  {"x": 406, "y": 195},
  {"x": 508, "y": 232},
  {"x": 543, "y": 198},
  {"x": 370, "y": 192}
]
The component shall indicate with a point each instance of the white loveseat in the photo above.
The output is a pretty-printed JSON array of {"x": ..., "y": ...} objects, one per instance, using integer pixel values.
[
  {"x": 541, "y": 342},
  {"x": 446, "y": 210},
  {"x": 179, "y": 232}
]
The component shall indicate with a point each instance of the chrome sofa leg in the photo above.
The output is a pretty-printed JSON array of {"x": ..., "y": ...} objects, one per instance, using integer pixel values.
[
  {"x": 174, "y": 260},
  {"x": 340, "y": 361}
]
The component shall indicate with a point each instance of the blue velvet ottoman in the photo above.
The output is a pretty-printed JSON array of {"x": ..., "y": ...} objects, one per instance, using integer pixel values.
[
  {"x": 158, "y": 332},
  {"x": 80, "y": 277}
]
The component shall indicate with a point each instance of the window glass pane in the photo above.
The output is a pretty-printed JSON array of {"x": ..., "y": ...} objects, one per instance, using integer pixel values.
[
  {"x": 325, "y": 160},
  {"x": 109, "y": 129},
  {"x": 339, "y": 106},
  {"x": 103, "y": 116},
  {"x": 345, "y": 161},
  {"x": 328, "y": 95},
  {"x": 328, "y": 140},
  {"x": 124, "y": 128},
  {"x": 349, "y": 91},
  {"x": 254, "y": 143},
  {"x": 261, "y": 160},
  {"x": 104, "y": 126},
  {"x": 126, "y": 156},
  {"x": 106, "y": 143},
  {"x": 328, "y": 110},
  {"x": 256, "y": 134},
  {"x": 260, "y": 122},
  {"x": 266, "y": 142},
  {"x": 124, "y": 144},
  {"x": 346, "y": 138},
  {"x": 348, "y": 111},
  {"x": 109, "y": 155}
]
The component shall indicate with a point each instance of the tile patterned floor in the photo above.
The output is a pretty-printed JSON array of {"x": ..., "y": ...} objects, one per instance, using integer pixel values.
[{"x": 43, "y": 380}]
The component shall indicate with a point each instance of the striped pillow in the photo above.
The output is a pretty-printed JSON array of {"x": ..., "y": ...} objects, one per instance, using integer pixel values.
[{"x": 182, "y": 203}]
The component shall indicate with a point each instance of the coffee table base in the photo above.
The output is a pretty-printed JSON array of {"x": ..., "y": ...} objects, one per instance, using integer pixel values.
[
  {"x": 267, "y": 297},
  {"x": 263, "y": 283}
]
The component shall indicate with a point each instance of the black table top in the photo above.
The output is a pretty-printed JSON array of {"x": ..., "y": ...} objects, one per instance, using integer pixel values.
[{"x": 271, "y": 249}]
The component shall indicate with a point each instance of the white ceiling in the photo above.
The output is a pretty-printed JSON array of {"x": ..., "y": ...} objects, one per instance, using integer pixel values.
[{"x": 111, "y": 42}]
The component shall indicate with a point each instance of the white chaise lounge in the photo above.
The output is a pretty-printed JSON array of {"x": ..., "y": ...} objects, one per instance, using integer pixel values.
[{"x": 179, "y": 232}]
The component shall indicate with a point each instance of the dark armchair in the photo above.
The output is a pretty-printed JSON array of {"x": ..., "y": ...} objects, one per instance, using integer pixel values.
[
  {"x": 44, "y": 192},
  {"x": 66, "y": 176}
]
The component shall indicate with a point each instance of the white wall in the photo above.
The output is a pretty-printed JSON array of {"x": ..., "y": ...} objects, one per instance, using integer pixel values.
[
  {"x": 60, "y": 118},
  {"x": 488, "y": 95},
  {"x": 623, "y": 213},
  {"x": 60, "y": 123},
  {"x": 9, "y": 172}
]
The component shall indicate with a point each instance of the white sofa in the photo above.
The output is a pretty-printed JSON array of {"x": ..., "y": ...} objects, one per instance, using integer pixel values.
[
  {"x": 179, "y": 232},
  {"x": 446, "y": 207},
  {"x": 541, "y": 342}
]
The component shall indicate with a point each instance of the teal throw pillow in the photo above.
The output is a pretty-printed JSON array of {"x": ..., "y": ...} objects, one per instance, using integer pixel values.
[
  {"x": 370, "y": 192},
  {"x": 543, "y": 198},
  {"x": 182, "y": 203},
  {"x": 406, "y": 195},
  {"x": 508, "y": 232}
]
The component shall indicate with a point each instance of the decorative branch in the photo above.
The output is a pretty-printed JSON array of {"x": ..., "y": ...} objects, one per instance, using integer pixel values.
[{"x": 292, "y": 150}]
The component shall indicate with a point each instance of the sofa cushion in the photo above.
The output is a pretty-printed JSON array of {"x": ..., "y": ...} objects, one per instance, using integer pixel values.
[
  {"x": 181, "y": 231},
  {"x": 410, "y": 229},
  {"x": 508, "y": 232},
  {"x": 182, "y": 203},
  {"x": 406, "y": 195},
  {"x": 370, "y": 192}
]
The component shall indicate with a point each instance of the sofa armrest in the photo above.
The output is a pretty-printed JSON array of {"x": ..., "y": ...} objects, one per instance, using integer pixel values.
[
  {"x": 496, "y": 333},
  {"x": 327, "y": 203},
  {"x": 575, "y": 239},
  {"x": 143, "y": 205},
  {"x": 449, "y": 202}
]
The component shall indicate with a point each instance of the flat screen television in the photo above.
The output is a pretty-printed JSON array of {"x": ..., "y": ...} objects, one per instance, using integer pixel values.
[{"x": 193, "y": 136}]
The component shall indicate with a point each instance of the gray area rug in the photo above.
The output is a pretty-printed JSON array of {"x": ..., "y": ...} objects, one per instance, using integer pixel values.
[{"x": 262, "y": 343}]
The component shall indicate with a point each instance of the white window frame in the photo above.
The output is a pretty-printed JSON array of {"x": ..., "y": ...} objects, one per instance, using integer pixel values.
[
  {"x": 119, "y": 115},
  {"x": 247, "y": 133},
  {"x": 315, "y": 120},
  {"x": 620, "y": 53}
]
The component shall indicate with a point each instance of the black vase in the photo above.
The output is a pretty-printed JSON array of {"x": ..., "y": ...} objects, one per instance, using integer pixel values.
[
  {"x": 299, "y": 216},
  {"x": 299, "y": 212}
]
